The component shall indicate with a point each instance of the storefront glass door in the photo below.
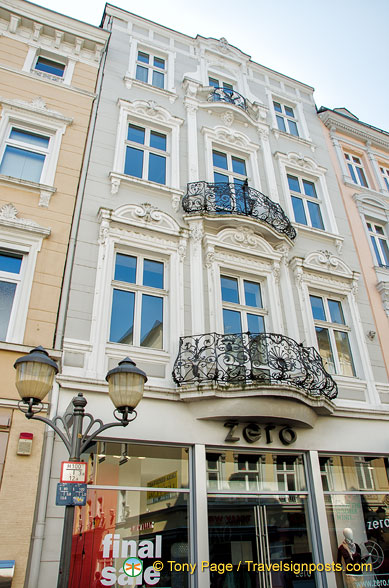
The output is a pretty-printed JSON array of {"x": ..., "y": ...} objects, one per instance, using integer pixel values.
[{"x": 261, "y": 540}]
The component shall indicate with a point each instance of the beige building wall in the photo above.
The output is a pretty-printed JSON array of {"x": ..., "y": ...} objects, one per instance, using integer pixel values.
[
  {"x": 348, "y": 135},
  {"x": 38, "y": 216}
]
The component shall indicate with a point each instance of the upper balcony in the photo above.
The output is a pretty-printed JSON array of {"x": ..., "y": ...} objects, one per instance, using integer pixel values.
[
  {"x": 205, "y": 198},
  {"x": 218, "y": 94},
  {"x": 252, "y": 358}
]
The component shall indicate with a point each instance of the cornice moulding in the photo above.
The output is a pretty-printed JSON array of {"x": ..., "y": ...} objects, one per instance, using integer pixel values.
[{"x": 355, "y": 128}]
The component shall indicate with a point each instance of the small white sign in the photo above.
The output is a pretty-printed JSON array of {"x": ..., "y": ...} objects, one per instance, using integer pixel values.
[{"x": 73, "y": 472}]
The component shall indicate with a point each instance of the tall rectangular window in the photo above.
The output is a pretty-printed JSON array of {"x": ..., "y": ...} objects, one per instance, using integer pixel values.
[
  {"x": 10, "y": 277},
  {"x": 286, "y": 119},
  {"x": 379, "y": 242},
  {"x": 385, "y": 175},
  {"x": 305, "y": 202},
  {"x": 138, "y": 301},
  {"x": 356, "y": 170},
  {"x": 24, "y": 154},
  {"x": 332, "y": 335},
  {"x": 145, "y": 154},
  {"x": 242, "y": 306},
  {"x": 151, "y": 69}
]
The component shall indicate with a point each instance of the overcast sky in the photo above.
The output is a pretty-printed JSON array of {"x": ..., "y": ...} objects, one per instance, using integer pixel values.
[{"x": 340, "y": 47}]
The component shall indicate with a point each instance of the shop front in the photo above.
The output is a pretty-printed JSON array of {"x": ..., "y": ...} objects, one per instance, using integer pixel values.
[{"x": 263, "y": 526}]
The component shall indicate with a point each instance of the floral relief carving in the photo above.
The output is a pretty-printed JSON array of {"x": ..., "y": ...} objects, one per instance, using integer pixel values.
[{"x": 148, "y": 212}]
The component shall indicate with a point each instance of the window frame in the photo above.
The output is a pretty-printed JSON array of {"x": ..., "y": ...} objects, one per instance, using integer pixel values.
[
  {"x": 306, "y": 198},
  {"x": 21, "y": 238},
  {"x": 139, "y": 290},
  {"x": 151, "y": 68},
  {"x": 283, "y": 115},
  {"x": 159, "y": 120},
  {"x": 25, "y": 146},
  {"x": 378, "y": 252},
  {"x": 40, "y": 120},
  {"x": 331, "y": 328},
  {"x": 152, "y": 48},
  {"x": 229, "y": 172},
  {"x": 385, "y": 175},
  {"x": 32, "y": 57},
  {"x": 291, "y": 164},
  {"x": 147, "y": 150},
  {"x": 353, "y": 167},
  {"x": 243, "y": 309}
]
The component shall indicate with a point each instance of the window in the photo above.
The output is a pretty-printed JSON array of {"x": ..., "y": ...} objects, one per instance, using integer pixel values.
[
  {"x": 151, "y": 69},
  {"x": 50, "y": 66},
  {"x": 248, "y": 472},
  {"x": 214, "y": 470},
  {"x": 356, "y": 170},
  {"x": 149, "y": 161},
  {"x": 379, "y": 242},
  {"x": 137, "y": 302},
  {"x": 242, "y": 306},
  {"x": 25, "y": 154},
  {"x": 10, "y": 274},
  {"x": 227, "y": 168},
  {"x": 364, "y": 471},
  {"x": 220, "y": 84},
  {"x": 332, "y": 335},
  {"x": 385, "y": 175},
  {"x": 286, "y": 120},
  {"x": 306, "y": 205}
]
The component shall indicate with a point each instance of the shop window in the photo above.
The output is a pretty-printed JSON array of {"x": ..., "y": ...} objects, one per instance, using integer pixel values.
[
  {"x": 151, "y": 69},
  {"x": 25, "y": 153},
  {"x": 145, "y": 466},
  {"x": 146, "y": 154},
  {"x": 286, "y": 118},
  {"x": 332, "y": 335},
  {"x": 305, "y": 202},
  {"x": 105, "y": 536},
  {"x": 356, "y": 170},
  {"x": 138, "y": 301},
  {"x": 359, "y": 521},
  {"x": 379, "y": 243}
]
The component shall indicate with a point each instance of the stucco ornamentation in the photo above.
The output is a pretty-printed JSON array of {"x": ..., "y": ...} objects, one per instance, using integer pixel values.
[
  {"x": 148, "y": 212},
  {"x": 9, "y": 217}
]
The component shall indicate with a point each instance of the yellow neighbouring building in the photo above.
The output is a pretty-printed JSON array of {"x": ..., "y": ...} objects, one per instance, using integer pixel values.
[{"x": 49, "y": 67}]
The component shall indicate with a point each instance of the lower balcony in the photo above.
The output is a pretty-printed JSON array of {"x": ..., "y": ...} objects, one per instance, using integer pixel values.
[
  {"x": 260, "y": 359},
  {"x": 224, "y": 199}
]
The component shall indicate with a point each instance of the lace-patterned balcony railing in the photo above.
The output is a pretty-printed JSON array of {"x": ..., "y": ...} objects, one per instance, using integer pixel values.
[
  {"x": 252, "y": 358},
  {"x": 223, "y": 198},
  {"x": 226, "y": 95}
]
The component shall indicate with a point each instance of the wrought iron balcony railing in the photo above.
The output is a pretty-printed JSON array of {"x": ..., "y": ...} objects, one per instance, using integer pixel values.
[
  {"x": 252, "y": 358},
  {"x": 226, "y": 95},
  {"x": 223, "y": 198}
]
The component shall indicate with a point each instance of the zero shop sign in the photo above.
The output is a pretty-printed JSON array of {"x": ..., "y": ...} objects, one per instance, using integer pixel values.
[
  {"x": 252, "y": 432},
  {"x": 73, "y": 472}
]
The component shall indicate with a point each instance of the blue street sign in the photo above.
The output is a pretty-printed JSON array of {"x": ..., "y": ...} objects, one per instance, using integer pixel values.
[{"x": 71, "y": 494}]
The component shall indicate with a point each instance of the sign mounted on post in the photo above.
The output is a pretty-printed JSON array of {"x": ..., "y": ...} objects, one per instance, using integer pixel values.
[
  {"x": 71, "y": 494},
  {"x": 73, "y": 472}
]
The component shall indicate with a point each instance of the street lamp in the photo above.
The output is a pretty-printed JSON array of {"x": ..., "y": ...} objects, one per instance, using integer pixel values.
[{"x": 35, "y": 374}]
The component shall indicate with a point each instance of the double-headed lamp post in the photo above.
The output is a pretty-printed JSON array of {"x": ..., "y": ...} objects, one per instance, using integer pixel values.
[{"x": 35, "y": 374}]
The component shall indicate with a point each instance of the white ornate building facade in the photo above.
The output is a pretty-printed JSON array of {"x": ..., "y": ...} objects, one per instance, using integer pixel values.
[{"x": 214, "y": 249}]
